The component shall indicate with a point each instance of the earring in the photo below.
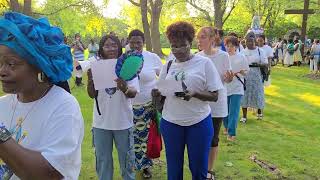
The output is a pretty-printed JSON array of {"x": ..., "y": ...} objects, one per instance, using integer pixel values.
[{"x": 40, "y": 78}]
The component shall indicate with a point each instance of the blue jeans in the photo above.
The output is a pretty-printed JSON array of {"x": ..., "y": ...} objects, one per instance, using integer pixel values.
[
  {"x": 231, "y": 121},
  {"x": 198, "y": 140},
  {"x": 103, "y": 143}
]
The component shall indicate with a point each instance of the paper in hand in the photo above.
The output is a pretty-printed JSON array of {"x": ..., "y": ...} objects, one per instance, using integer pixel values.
[
  {"x": 103, "y": 73},
  {"x": 169, "y": 87}
]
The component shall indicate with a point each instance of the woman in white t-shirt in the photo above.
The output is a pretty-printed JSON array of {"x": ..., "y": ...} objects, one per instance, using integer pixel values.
[
  {"x": 112, "y": 117},
  {"x": 143, "y": 111},
  {"x": 254, "y": 94},
  {"x": 266, "y": 48},
  {"x": 235, "y": 89},
  {"x": 186, "y": 114},
  {"x": 41, "y": 127},
  {"x": 219, "y": 109},
  {"x": 315, "y": 52}
]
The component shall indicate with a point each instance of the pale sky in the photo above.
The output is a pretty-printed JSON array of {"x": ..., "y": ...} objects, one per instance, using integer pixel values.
[{"x": 112, "y": 10}]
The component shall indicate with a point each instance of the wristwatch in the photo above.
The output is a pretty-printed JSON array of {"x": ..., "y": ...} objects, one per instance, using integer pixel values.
[{"x": 5, "y": 135}]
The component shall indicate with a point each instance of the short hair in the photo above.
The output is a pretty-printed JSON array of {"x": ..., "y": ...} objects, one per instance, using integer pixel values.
[
  {"x": 180, "y": 30},
  {"x": 233, "y": 34},
  {"x": 317, "y": 41},
  {"x": 113, "y": 38},
  {"x": 77, "y": 35},
  {"x": 208, "y": 30},
  {"x": 262, "y": 36},
  {"x": 231, "y": 39},
  {"x": 219, "y": 32},
  {"x": 250, "y": 35},
  {"x": 296, "y": 41},
  {"x": 136, "y": 32},
  {"x": 290, "y": 40}
]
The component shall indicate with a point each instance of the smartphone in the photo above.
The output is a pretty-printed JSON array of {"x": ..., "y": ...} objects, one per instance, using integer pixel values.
[{"x": 180, "y": 94}]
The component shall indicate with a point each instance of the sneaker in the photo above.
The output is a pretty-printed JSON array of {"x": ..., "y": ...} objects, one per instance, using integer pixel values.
[
  {"x": 147, "y": 173},
  {"x": 260, "y": 116},
  {"x": 243, "y": 120}
]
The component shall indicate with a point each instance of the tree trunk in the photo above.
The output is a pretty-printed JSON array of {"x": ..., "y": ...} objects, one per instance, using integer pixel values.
[
  {"x": 145, "y": 23},
  {"x": 27, "y": 7},
  {"x": 156, "y": 8},
  {"x": 14, "y": 5},
  {"x": 218, "y": 14}
]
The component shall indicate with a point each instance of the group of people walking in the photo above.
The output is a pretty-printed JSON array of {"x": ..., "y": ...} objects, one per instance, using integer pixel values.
[
  {"x": 222, "y": 77},
  {"x": 217, "y": 81}
]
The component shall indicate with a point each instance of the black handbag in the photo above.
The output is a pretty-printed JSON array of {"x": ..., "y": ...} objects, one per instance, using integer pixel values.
[{"x": 264, "y": 70}]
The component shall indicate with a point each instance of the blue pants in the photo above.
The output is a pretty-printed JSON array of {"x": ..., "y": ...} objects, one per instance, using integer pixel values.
[
  {"x": 103, "y": 143},
  {"x": 231, "y": 121},
  {"x": 197, "y": 138}
]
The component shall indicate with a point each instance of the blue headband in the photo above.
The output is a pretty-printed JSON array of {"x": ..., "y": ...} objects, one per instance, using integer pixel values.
[{"x": 39, "y": 43}]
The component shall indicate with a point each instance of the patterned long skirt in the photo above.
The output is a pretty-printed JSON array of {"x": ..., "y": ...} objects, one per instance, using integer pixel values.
[
  {"x": 142, "y": 115},
  {"x": 254, "y": 94}
]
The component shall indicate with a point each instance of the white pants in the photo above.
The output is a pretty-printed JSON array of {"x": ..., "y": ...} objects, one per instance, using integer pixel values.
[{"x": 314, "y": 63}]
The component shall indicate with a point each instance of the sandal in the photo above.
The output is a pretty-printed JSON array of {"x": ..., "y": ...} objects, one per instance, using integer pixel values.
[
  {"x": 147, "y": 173},
  {"x": 225, "y": 131},
  {"x": 231, "y": 138},
  {"x": 210, "y": 175}
]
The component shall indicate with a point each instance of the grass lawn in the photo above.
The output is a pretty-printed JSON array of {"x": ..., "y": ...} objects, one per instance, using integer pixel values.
[{"x": 288, "y": 137}]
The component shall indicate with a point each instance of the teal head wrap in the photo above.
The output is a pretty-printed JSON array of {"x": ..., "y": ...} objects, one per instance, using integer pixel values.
[{"x": 38, "y": 43}]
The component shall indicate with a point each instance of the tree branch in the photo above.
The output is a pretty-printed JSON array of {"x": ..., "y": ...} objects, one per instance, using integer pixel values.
[
  {"x": 2, "y": 5},
  {"x": 175, "y": 3},
  {"x": 134, "y": 3},
  {"x": 77, "y": 4},
  {"x": 234, "y": 3},
  {"x": 268, "y": 15},
  {"x": 206, "y": 13}
]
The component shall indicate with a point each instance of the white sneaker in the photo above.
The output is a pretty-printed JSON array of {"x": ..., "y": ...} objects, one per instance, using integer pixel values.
[
  {"x": 260, "y": 116},
  {"x": 243, "y": 120}
]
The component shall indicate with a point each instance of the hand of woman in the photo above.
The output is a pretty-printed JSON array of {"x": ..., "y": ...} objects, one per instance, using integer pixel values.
[
  {"x": 122, "y": 85},
  {"x": 155, "y": 93},
  {"x": 241, "y": 72},
  {"x": 89, "y": 74},
  {"x": 188, "y": 95},
  {"x": 228, "y": 76}
]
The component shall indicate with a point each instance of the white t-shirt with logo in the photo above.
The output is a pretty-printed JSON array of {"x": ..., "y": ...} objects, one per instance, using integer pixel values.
[
  {"x": 115, "y": 107},
  {"x": 152, "y": 66},
  {"x": 52, "y": 125},
  {"x": 199, "y": 75},
  {"x": 238, "y": 62},
  {"x": 222, "y": 63}
]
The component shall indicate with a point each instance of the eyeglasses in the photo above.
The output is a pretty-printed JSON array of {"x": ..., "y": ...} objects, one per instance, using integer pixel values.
[
  {"x": 110, "y": 47},
  {"x": 136, "y": 43},
  {"x": 180, "y": 49}
]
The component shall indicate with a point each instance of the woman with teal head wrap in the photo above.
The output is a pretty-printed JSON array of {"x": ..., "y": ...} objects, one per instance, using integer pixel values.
[{"x": 41, "y": 126}]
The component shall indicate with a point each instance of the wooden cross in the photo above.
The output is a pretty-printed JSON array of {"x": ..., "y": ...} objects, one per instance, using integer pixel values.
[{"x": 305, "y": 11}]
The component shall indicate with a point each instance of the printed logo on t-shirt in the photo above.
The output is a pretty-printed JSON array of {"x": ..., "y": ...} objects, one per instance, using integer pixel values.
[
  {"x": 180, "y": 76},
  {"x": 18, "y": 135}
]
